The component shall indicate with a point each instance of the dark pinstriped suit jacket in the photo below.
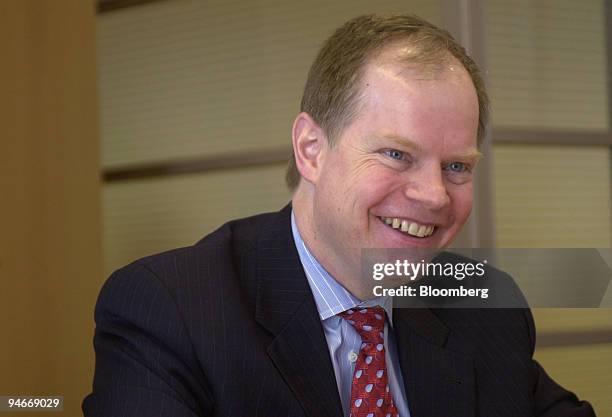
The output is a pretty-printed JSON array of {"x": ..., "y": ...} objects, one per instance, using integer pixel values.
[{"x": 229, "y": 327}]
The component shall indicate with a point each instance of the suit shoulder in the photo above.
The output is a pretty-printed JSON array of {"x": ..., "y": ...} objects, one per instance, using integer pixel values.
[
  {"x": 219, "y": 253},
  {"x": 508, "y": 315}
]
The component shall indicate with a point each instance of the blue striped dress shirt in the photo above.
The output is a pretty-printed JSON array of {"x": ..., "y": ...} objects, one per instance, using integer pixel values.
[{"x": 342, "y": 339}]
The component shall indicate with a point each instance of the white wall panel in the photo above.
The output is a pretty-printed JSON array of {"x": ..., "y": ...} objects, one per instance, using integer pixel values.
[
  {"x": 547, "y": 63},
  {"x": 182, "y": 78},
  {"x": 552, "y": 196}
]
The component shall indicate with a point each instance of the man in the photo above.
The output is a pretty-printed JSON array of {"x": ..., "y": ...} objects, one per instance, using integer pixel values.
[{"x": 270, "y": 315}]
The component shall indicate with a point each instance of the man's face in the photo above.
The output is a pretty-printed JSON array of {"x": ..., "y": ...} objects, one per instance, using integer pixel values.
[{"x": 406, "y": 159}]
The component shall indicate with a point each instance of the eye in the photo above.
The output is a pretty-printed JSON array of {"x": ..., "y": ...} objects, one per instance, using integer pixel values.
[
  {"x": 458, "y": 172},
  {"x": 395, "y": 154},
  {"x": 458, "y": 167}
]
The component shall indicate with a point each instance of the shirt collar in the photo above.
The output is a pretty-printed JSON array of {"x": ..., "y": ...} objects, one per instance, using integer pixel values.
[{"x": 330, "y": 296}]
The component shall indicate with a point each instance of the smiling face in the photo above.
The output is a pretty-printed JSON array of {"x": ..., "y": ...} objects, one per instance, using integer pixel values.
[{"x": 400, "y": 175}]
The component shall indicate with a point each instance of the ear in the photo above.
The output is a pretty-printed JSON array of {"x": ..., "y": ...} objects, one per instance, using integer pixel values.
[{"x": 309, "y": 144}]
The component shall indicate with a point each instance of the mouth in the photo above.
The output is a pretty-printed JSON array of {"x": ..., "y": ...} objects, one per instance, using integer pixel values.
[{"x": 409, "y": 227}]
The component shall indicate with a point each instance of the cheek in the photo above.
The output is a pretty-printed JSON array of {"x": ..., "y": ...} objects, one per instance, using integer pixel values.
[
  {"x": 362, "y": 183},
  {"x": 330, "y": 180},
  {"x": 462, "y": 202},
  {"x": 371, "y": 190}
]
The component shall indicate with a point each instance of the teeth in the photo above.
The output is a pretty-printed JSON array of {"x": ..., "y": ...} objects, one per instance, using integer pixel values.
[
  {"x": 411, "y": 228},
  {"x": 421, "y": 231}
]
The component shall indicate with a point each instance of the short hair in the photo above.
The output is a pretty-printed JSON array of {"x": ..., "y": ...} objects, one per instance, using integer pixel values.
[{"x": 332, "y": 89}]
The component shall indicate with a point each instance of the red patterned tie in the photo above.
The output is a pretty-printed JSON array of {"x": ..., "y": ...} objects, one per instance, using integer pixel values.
[{"x": 370, "y": 395}]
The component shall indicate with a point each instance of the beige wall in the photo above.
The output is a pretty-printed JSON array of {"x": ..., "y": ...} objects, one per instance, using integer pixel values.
[
  {"x": 50, "y": 239},
  {"x": 50, "y": 250},
  {"x": 183, "y": 79},
  {"x": 546, "y": 77}
]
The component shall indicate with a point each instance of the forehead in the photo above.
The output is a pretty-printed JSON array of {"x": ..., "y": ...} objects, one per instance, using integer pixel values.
[
  {"x": 406, "y": 87},
  {"x": 414, "y": 63},
  {"x": 403, "y": 68},
  {"x": 432, "y": 101}
]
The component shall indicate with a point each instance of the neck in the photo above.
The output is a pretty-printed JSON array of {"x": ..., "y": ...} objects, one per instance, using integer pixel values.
[{"x": 342, "y": 270}]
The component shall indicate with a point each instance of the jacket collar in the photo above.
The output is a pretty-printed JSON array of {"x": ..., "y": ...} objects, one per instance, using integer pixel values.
[{"x": 286, "y": 308}]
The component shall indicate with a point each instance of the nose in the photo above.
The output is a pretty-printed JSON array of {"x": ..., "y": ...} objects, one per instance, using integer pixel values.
[{"x": 427, "y": 187}]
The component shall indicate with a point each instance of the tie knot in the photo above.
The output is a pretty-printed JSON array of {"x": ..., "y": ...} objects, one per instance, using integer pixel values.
[{"x": 369, "y": 322}]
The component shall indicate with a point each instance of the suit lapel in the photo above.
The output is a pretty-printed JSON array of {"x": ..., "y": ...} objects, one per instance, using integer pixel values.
[
  {"x": 286, "y": 308},
  {"x": 438, "y": 382}
]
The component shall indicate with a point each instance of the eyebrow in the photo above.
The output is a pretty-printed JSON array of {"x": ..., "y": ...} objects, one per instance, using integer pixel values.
[
  {"x": 472, "y": 154},
  {"x": 405, "y": 142}
]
